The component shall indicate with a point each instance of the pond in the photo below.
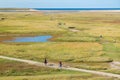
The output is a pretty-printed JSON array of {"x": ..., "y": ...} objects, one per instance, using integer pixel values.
[{"x": 30, "y": 39}]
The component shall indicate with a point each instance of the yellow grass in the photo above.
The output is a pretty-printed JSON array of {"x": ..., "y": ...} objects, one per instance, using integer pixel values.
[{"x": 82, "y": 49}]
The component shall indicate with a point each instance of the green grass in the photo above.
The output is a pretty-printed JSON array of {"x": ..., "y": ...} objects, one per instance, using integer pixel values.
[
  {"x": 112, "y": 50},
  {"x": 82, "y": 49},
  {"x": 13, "y": 68},
  {"x": 57, "y": 77},
  {"x": 115, "y": 71},
  {"x": 66, "y": 52},
  {"x": 22, "y": 71}
]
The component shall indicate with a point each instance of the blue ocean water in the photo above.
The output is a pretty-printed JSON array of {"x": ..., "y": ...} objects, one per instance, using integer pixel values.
[{"x": 76, "y": 8}]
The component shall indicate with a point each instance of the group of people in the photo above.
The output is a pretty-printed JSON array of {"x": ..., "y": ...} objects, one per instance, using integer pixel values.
[{"x": 46, "y": 62}]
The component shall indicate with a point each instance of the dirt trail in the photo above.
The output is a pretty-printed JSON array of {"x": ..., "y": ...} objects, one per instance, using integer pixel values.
[
  {"x": 74, "y": 30},
  {"x": 56, "y": 66},
  {"x": 115, "y": 65}
]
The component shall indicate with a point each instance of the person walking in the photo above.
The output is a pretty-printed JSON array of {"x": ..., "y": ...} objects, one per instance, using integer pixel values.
[
  {"x": 45, "y": 61},
  {"x": 60, "y": 64}
]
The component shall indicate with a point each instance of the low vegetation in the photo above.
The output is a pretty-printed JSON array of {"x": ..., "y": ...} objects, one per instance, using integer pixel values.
[
  {"x": 21, "y": 71},
  {"x": 93, "y": 43},
  {"x": 12, "y": 68}
]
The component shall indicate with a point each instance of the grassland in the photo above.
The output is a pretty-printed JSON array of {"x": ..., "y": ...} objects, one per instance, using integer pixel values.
[
  {"x": 56, "y": 77},
  {"x": 28, "y": 23},
  {"x": 93, "y": 46},
  {"x": 21, "y": 71},
  {"x": 63, "y": 51},
  {"x": 12, "y": 68}
]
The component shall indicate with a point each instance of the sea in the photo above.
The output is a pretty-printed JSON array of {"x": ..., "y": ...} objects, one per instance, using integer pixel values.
[
  {"x": 64, "y": 10},
  {"x": 61, "y": 9},
  {"x": 76, "y": 8}
]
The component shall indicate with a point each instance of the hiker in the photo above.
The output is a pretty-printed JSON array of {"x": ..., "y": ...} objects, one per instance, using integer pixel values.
[
  {"x": 60, "y": 64},
  {"x": 45, "y": 61}
]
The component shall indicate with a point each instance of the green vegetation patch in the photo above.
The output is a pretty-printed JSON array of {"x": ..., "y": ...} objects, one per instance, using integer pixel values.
[{"x": 13, "y": 68}]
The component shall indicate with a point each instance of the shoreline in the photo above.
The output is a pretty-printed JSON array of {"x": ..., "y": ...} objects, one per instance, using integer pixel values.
[
  {"x": 45, "y": 10},
  {"x": 57, "y": 11}
]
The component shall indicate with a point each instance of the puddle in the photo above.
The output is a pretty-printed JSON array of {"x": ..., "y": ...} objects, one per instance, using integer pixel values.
[{"x": 30, "y": 39}]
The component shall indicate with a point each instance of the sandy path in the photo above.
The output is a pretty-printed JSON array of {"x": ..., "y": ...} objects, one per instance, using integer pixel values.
[
  {"x": 74, "y": 30},
  {"x": 115, "y": 65},
  {"x": 56, "y": 66}
]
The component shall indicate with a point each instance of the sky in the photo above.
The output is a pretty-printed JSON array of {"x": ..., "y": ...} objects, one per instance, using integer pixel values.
[{"x": 59, "y": 3}]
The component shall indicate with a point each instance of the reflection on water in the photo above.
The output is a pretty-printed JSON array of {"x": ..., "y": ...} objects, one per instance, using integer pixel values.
[{"x": 30, "y": 39}]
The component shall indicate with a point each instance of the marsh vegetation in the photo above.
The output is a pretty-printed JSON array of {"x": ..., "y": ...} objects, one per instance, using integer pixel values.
[{"x": 93, "y": 46}]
